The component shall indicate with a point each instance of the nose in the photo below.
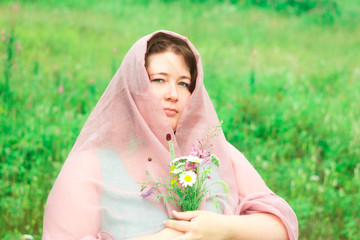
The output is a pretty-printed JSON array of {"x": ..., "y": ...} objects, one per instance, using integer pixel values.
[{"x": 171, "y": 92}]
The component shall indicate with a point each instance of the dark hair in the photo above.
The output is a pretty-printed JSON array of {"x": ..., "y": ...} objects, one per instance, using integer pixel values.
[{"x": 162, "y": 42}]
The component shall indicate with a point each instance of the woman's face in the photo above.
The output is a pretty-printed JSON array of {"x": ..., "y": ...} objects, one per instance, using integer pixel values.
[{"x": 170, "y": 79}]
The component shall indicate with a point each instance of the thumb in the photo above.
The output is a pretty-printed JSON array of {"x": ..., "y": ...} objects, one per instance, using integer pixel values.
[{"x": 186, "y": 216}]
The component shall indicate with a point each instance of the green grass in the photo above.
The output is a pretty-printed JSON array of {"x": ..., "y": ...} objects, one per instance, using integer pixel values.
[{"x": 291, "y": 108}]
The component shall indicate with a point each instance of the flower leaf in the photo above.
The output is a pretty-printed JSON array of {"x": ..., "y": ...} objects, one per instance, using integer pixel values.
[
  {"x": 171, "y": 149},
  {"x": 215, "y": 160},
  {"x": 216, "y": 203}
]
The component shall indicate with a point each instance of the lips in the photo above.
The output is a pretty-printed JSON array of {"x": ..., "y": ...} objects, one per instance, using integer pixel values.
[{"x": 170, "y": 112}]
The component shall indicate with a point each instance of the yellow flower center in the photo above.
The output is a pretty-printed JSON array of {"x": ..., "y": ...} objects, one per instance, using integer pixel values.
[{"x": 187, "y": 178}]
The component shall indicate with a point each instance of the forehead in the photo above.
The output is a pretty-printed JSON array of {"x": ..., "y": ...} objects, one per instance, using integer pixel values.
[{"x": 168, "y": 62}]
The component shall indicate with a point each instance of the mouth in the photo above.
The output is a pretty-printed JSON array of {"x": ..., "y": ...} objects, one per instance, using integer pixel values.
[{"x": 170, "y": 112}]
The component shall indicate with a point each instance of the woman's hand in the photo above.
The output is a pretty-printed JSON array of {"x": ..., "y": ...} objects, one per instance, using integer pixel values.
[
  {"x": 199, "y": 225},
  {"x": 207, "y": 225},
  {"x": 165, "y": 234},
  {"x": 168, "y": 233}
]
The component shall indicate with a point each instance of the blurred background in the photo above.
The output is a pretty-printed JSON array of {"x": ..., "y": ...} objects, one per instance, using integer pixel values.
[{"x": 283, "y": 76}]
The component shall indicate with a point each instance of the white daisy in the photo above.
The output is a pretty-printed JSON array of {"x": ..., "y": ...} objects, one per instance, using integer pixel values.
[
  {"x": 174, "y": 162},
  {"x": 193, "y": 159},
  {"x": 176, "y": 169},
  {"x": 187, "y": 178}
]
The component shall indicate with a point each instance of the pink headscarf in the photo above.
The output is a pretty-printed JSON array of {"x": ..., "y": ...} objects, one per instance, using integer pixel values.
[{"x": 96, "y": 195}]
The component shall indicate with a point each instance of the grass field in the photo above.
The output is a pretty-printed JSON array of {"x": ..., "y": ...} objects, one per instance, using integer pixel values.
[{"x": 286, "y": 86}]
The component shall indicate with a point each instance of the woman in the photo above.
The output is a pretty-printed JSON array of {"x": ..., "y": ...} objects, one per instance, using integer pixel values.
[{"x": 158, "y": 90}]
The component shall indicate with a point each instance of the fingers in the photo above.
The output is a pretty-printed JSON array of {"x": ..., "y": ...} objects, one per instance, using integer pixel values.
[
  {"x": 181, "y": 226},
  {"x": 186, "y": 216},
  {"x": 187, "y": 236}
]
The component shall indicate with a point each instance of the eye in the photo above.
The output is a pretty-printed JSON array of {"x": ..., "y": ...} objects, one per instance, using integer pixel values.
[
  {"x": 159, "y": 80},
  {"x": 184, "y": 84}
]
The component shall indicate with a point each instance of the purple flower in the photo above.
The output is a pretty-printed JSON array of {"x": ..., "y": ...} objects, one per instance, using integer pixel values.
[{"x": 148, "y": 192}]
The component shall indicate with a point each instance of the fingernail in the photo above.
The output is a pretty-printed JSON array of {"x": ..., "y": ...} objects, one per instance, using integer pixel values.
[{"x": 174, "y": 211}]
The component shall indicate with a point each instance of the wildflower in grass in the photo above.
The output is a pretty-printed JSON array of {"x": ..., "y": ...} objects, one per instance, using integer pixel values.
[
  {"x": 187, "y": 178},
  {"x": 15, "y": 7},
  {"x": 254, "y": 52},
  {"x": 18, "y": 46},
  {"x": 27, "y": 236},
  {"x": 3, "y": 38},
  {"x": 61, "y": 89}
]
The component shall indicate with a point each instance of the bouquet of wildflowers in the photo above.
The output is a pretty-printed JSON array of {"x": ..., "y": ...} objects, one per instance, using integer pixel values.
[{"x": 188, "y": 182}]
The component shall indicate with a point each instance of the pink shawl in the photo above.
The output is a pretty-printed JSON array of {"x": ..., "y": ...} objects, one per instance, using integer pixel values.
[{"x": 97, "y": 193}]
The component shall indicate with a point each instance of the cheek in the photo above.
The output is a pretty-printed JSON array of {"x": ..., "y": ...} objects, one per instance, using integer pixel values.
[
  {"x": 158, "y": 90},
  {"x": 185, "y": 99}
]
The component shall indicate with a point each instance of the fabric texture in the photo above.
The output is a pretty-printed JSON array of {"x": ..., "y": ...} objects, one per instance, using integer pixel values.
[{"x": 97, "y": 193}]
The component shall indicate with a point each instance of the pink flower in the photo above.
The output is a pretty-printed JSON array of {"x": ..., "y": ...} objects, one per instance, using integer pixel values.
[
  {"x": 18, "y": 46},
  {"x": 194, "y": 152},
  {"x": 2, "y": 31},
  {"x": 202, "y": 153},
  {"x": 3, "y": 38},
  {"x": 61, "y": 89},
  {"x": 207, "y": 160},
  {"x": 188, "y": 166}
]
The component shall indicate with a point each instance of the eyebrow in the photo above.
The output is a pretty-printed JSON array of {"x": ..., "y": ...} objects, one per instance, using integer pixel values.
[
  {"x": 166, "y": 74},
  {"x": 160, "y": 73}
]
